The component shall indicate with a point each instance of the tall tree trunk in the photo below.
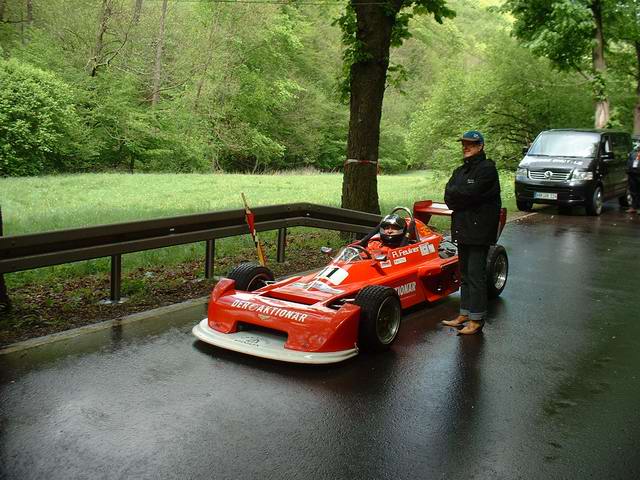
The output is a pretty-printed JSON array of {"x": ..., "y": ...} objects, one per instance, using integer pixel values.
[
  {"x": 368, "y": 79},
  {"x": 207, "y": 62},
  {"x": 94, "y": 62},
  {"x": 636, "y": 110},
  {"x": 137, "y": 8},
  {"x": 157, "y": 68},
  {"x": 30, "y": 12},
  {"x": 602, "y": 112}
]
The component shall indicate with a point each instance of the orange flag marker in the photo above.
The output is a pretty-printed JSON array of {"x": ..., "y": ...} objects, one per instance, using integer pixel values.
[{"x": 250, "y": 218}]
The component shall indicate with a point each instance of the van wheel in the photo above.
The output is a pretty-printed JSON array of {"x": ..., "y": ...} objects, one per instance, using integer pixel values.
[
  {"x": 594, "y": 205},
  {"x": 497, "y": 270},
  {"x": 625, "y": 200},
  {"x": 250, "y": 276},
  {"x": 524, "y": 206}
]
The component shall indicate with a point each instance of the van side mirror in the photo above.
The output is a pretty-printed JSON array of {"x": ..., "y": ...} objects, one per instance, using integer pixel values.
[{"x": 525, "y": 150}]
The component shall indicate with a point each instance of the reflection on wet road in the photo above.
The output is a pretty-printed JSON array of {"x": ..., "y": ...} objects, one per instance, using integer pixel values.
[{"x": 548, "y": 391}]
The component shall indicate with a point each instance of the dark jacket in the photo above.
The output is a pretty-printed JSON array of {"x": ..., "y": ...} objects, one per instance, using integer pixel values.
[
  {"x": 630, "y": 168},
  {"x": 473, "y": 193}
]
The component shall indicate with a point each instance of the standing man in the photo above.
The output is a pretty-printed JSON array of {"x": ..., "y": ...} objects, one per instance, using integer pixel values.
[
  {"x": 473, "y": 193},
  {"x": 633, "y": 175}
]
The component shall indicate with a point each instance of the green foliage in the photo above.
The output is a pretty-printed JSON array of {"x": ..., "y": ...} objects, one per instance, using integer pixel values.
[
  {"x": 40, "y": 130},
  {"x": 356, "y": 51},
  {"x": 561, "y": 30},
  {"x": 249, "y": 88},
  {"x": 565, "y": 32},
  {"x": 510, "y": 96}
]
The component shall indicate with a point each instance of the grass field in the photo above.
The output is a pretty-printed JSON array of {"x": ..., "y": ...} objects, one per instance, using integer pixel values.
[{"x": 38, "y": 204}]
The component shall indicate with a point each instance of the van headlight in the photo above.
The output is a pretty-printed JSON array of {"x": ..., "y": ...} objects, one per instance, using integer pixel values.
[
  {"x": 521, "y": 173},
  {"x": 582, "y": 175}
]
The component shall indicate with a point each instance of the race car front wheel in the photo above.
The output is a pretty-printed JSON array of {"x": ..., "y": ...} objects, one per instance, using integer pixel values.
[
  {"x": 497, "y": 270},
  {"x": 380, "y": 314},
  {"x": 250, "y": 276}
]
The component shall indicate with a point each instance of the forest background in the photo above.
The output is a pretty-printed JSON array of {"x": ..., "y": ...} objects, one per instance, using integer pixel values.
[{"x": 204, "y": 86}]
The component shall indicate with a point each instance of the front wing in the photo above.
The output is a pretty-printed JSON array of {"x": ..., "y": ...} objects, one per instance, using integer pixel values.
[{"x": 266, "y": 345}]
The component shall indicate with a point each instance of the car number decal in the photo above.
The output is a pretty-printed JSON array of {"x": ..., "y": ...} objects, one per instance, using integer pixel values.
[{"x": 335, "y": 275}]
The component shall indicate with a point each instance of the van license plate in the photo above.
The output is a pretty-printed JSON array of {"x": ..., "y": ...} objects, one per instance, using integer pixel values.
[{"x": 545, "y": 195}]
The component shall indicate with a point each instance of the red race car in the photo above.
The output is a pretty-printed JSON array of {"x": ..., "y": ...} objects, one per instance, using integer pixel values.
[{"x": 354, "y": 303}]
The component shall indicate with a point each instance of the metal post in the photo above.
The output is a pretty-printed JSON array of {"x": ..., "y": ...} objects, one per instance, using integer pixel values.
[
  {"x": 5, "y": 302},
  {"x": 282, "y": 243},
  {"x": 209, "y": 258},
  {"x": 116, "y": 273}
]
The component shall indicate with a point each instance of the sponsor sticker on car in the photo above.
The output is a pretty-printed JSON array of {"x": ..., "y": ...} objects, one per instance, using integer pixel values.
[
  {"x": 268, "y": 310},
  {"x": 406, "y": 289},
  {"x": 426, "y": 249},
  {"x": 403, "y": 252}
]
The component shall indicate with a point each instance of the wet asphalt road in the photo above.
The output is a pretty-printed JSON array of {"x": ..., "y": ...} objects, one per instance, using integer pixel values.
[{"x": 550, "y": 390}]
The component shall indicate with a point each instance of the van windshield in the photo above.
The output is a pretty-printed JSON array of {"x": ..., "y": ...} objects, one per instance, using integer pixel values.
[{"x": 565, "y": 144}]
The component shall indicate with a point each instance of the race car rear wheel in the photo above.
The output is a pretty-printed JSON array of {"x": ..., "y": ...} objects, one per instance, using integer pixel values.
[
  {"x": 250, "y": 276},
  {"x": 497, "y": 270},
  {"x": 625, "y": 200},
  {"x": 380, "y": 315}
]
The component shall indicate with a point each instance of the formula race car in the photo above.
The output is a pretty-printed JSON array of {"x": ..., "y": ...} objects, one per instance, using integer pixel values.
[{"x": 353, "y": 303}]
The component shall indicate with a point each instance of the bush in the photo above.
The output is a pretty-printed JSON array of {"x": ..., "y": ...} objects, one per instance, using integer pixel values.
[{"x": 40, "y": 131}]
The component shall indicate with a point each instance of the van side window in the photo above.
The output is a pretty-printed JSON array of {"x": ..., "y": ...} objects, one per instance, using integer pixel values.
[
  {"x": 606, "y": 145},
  {"x": 620, "y": 148}
]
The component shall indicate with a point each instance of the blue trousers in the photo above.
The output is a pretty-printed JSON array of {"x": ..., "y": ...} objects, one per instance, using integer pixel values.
[{"x": 473, "y": 284}]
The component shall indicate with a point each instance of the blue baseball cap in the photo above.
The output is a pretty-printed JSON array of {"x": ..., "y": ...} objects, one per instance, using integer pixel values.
[{"x": 472, "y": 136}]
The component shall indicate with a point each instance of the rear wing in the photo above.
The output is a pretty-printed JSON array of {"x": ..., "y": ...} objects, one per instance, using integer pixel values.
[{"x": 424, "y": 209}]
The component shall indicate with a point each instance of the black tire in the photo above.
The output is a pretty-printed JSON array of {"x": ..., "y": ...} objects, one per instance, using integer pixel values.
[
  {"x": 380, "y": 315},
  {"x": 594, "y": 204},
  {"x": 524, "y": 206},
  {"x": 250, "y": 276},
  {"x": 625, "y": 200},
  {"x": 497, "y": 270}
]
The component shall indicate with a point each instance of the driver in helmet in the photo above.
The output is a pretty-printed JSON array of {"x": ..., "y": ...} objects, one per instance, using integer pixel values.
[{"x": 392, "y": 234}]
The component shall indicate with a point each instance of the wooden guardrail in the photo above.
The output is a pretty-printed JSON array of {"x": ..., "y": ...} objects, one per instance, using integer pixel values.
[{"x": 26, "y": 252}]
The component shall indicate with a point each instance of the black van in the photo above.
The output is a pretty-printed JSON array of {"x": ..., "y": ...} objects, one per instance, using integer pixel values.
[{"x": 568, "y": 167}]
